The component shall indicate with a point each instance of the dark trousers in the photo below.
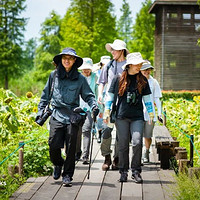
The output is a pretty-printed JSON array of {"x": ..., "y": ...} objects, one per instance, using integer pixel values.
[{"x": 60, "y": 135}]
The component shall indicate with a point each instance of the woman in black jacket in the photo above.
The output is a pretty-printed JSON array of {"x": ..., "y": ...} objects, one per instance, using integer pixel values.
[{"x": 129, "y": 90}]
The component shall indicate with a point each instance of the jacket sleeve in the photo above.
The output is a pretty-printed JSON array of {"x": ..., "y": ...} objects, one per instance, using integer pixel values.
[{"x": 45, "y": 95}]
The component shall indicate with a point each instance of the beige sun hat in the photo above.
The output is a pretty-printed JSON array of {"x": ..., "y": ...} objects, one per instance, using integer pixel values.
[
  {"x": 87, "y": 64},
  {"x": 134, "y": 59},
  {"x": 146, "y": 65},
  {"x": 104, "y": 60},
  {"x": 116, "y": 45}
]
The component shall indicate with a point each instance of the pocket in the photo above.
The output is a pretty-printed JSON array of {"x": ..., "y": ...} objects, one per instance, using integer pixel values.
[{"x": 70, "y": 94}]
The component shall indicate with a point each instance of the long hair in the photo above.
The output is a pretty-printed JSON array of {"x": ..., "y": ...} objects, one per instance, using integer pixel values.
[{"x": 125, "y": 81}]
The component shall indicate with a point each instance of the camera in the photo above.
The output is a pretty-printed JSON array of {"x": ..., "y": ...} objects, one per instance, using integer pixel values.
[
  {"x": 40, "y": 121},
  {"x": 131, "y": 97}
]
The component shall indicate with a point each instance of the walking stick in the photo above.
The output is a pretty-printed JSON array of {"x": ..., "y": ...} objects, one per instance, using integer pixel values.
[{"x": 93, "y": 133}]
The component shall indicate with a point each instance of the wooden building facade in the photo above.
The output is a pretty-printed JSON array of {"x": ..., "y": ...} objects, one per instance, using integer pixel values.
[{"x": 177, "y": 55}]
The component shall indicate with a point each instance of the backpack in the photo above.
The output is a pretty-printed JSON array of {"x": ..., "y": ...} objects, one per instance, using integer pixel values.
[{"x": 109, "y": 66}]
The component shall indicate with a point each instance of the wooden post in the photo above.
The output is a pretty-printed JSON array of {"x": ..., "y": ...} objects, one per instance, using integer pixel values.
[
  {"x": 182, "y": 155},
  {"x": 21, "y": 158},
  {"x": 177, "y": 149},
  {"x": 183, "y": 165},
  {"x": 194, "y": 172},
  {"x": 191, "y": 150}
]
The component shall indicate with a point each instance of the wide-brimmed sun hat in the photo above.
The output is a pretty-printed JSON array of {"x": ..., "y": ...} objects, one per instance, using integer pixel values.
[
  {"x": 146, "y": 65},
  {"x": 87, "y": 64},
  {"x": 104, "y": 60},
  {"x": 134, "y": 59},
  {"x": 116, "y": 45},
  {"x": 68, "y": 51}
]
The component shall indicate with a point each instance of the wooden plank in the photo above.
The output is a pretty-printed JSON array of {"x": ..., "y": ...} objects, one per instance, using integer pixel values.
[
  {"x": 29, "y": 188},
  {"x": 48, "y": 190},
  {"x": 167, "y": 182},
  {"x": 131, "y": 190},
  {"x": 111, "y": 188},
  {"x": 91, "y": 187},
  {"x": 80, "y": 175},
  {"x": 151, "y": 182}
]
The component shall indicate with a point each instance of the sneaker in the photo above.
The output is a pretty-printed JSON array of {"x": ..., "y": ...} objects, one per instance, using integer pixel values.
[
  {"x": 137, "y": 177},
  {"x": 78, "y": 156},
  {"x": 57, "y": 172},
  {"x": 67, "y": 181},
  {"x": 123, "y": 177},
  {"x": 146, "y": 156},
  {"x": 86, "y": 161},
  {"x": 115, "y": 163}
]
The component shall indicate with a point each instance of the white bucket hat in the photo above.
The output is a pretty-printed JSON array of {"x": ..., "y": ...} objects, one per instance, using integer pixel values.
[
  {"x": 134, "y": 59},
  {"x": 116, "y": 45},
  {"x": 87, "y": 64},
  {"x": 146, "y": 65},
  {"x": 105, "y": 59}
]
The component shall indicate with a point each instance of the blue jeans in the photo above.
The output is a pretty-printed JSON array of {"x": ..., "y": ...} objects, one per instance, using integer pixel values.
[{"x": 130, "y": 129}]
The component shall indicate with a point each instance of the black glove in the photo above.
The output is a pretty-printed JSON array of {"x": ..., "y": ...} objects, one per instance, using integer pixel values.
[{"x": 95, "y": 112}]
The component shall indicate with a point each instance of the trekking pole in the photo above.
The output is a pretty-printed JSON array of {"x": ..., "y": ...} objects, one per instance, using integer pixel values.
[{"x": 93, "y": 133}]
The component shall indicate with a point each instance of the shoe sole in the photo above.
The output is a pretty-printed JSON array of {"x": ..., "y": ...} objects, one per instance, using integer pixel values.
[
  {"x": 136, "y": 180},
  {"x": 67, "y": 184}
]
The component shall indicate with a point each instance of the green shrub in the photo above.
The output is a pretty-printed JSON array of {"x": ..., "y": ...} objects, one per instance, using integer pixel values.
[
  {"x": 185, "y": 94},
  {"x": 186, "y": 188}
]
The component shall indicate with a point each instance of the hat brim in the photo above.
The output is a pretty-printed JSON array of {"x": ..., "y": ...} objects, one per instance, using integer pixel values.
[
  {"x": 133, "y": 63},
  {"x": 147, "y": 67},
  {"x": 110, "y": 46},
  {"x": 78, "y": 62},
  {"x": 85, "y": 67}
]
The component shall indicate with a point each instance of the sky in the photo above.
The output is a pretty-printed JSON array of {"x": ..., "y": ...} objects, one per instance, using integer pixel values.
[{"x": 38, "y": 10}]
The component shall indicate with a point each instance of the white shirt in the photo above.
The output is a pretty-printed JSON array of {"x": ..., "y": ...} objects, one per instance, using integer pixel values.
[{"x": 155, "y": 96}]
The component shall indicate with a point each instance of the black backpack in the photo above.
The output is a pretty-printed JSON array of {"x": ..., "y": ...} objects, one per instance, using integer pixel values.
[{"x": 109, "y": 66}]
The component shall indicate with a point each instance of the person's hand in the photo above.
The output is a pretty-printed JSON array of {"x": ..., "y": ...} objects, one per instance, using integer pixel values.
[
  {"x": 101, "y": 115},
  {"x": 160, "y": 119},
  {"x": 100, "y": 97},
  {"x": 95, "y": 112},
  {"x": 151, "y": 116},
  {"x": 106, "y": 116}
]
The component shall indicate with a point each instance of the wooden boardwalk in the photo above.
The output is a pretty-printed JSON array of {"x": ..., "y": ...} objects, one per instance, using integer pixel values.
[{"x": 157, "y": 183}]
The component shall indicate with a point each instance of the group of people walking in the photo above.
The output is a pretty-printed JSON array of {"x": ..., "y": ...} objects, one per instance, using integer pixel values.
[{"x": 120, "y": 93}]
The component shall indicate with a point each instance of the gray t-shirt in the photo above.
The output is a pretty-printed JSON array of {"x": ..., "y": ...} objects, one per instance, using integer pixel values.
[{"x": 104, "y": 78}]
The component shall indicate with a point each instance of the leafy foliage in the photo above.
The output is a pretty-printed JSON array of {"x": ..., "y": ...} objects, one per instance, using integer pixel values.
[
  {"x": 182, "y": 120},
  {"x": 186, "y": 188},
  {"x": 11, "y": 34},
  {"x": 88, "y": 26},
  {"x": 49, "y": 47},
  {"x": 143, "y": 33},
  {"x": 125, "y": 23},
  {"x": 17, "y": 116}
]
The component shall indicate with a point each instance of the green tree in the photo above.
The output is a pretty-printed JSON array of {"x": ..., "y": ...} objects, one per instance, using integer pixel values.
[
  {"x": 11, "y": 34},
  {"x": 125, "y": 23},
  {"x": 87, "y": 26},
  {"x": 48, "y": 48},
  {"x": 143, "y": 33}
]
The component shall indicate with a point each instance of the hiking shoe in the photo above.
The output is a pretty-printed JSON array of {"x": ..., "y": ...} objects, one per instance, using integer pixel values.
[
  {"x": 115, "y": 164},
  {"x": 78, "y": 156},
  {"x": 86, "y": 161},
  {"x": 137, "y": 177},
  {"x": 146, "y": 156},
  {"x": 107, "y": 163},
  {"x": 123, "y": 177},
  {"x": 67, "y": 181},
  {"x": 57, "y": 172}
]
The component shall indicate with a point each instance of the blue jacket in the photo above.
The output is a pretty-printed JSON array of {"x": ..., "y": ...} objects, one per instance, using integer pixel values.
[{"x": 67, "y": 90}]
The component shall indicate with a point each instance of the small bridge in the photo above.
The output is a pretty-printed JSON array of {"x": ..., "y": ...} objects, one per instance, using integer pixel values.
[{"x": 157, "y": 183}]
